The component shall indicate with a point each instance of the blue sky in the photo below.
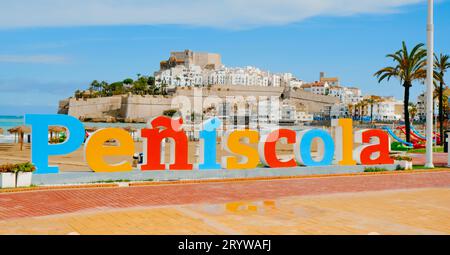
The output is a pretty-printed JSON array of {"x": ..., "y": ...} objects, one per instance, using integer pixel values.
[{"x": 49, "y": 49}]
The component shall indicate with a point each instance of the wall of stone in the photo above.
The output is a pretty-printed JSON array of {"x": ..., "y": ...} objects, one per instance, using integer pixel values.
[
  {"x": 134, "y": 107},
  {"x": 145, "y": 107},
  {"x": 96, "y": 107},
  {"x": 313, "y": 103}
]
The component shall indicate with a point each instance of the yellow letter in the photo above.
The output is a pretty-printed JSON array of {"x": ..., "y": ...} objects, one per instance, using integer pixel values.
[
  {"x": 95, "y": 149},
  {"x": 344, "y": 141},
  {"x": 249, "y": 155}
]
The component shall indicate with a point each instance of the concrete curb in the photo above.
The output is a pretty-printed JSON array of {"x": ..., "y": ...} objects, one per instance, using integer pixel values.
[{"x": 169, "y": 175}]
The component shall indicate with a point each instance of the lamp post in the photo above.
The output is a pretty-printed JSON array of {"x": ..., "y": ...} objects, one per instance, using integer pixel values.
[{"x": 429, "y": 83}]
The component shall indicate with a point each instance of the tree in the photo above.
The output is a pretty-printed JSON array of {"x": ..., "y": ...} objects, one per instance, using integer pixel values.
[
  {"x": 95, "y": 86},
  {"x": 408, "y": 67},
  {"x": 128, "y": 81},
  {"x": 412, "y": 111},
  {"x": 163, "y": 89},
  {"x": 170, "y": 112},
  {"x": 350, "y": 110},
  {"x": 117, "y": 88},
  {"x": 371, "y": 101},
  {"x": 104, "y": 88},
  {"x": 78, "y": 94},
  {"x": 151, "y": 81},
  {"x": 441, "y": 64},
  {"x": 362, "y": 105},
  {"x": 140, "y": 86}
]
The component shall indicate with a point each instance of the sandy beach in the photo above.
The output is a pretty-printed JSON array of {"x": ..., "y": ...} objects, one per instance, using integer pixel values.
[{"x": 75, "y": 161}]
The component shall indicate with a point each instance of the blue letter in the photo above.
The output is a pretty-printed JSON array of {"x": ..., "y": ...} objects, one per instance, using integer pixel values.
[
  {"x": 208, "y": 150},
  {"x": 41, "y": 149},
  {"x": 303, "y": 148}
]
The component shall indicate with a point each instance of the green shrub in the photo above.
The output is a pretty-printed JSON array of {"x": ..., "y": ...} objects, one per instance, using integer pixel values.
[
  {"x": 7, "y": 168},
  {"x": 396, "y": 146},
  {"x": 170, "y": 112},
  {"x": 25, "y": 167},
  {"x": 401, "y": 158},
  {"x": 374, "y": 169},
  {"x": 14, "y": 168}
]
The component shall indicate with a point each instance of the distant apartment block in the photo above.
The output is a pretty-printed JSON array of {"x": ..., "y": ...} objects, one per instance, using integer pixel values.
[
  {"x": 421, "y": 106},
  {"x": 331, "y": 87},
  {"x": 190, "y": 68}
]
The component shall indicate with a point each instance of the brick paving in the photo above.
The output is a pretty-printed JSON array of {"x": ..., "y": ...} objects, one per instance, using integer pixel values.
[
  {"x": 53, "y": 202},
  {"x": 412, "y": 211},
  {"x": 439, "y": 159}
]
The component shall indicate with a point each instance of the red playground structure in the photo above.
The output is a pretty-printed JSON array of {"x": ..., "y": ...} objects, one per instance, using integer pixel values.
[{"x": 417, "y": 139}]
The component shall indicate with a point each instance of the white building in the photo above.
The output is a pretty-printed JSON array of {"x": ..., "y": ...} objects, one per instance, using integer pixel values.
[
  {"x": 421, "y": 108},
  {"x": 304, "y": 117},
  {"x": 318, "y": 88},
  {"x": 180, "y": 76},
  {"x": 339, "y": 111},
  {"x": 346, "y": 95},
  {"x": 193, "y": 75},
  {"x": 386, "y": 109}
]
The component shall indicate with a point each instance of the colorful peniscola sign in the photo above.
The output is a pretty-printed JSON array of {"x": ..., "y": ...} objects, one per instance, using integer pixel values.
[{"x": 247, "y": 148}]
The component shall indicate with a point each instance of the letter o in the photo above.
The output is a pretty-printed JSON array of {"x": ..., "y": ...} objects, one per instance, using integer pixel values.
[{"x": 303, "y": 147}]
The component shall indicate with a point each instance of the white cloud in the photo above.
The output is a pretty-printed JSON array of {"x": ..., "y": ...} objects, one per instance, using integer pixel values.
[
  {"x": 33, "y": 59},
  {"x": 211, "y": 13}
]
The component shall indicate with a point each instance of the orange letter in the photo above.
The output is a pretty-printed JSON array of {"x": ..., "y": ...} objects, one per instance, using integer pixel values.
[
  {"x": 267, "y": 148},
  {"x": 373, "y": 153},
  {"x": 95, "y": 149},
  {"x": 232, "y": 144},
  {"x": 164, "y": 127}
]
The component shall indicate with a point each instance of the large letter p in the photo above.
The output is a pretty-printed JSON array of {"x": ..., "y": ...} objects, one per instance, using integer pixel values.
[{"x": 40, "y": 147}]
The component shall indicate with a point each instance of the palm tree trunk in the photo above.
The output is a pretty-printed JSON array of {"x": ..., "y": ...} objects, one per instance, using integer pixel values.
[
  {"x": 371, "y": 113},
  {"x": 441, "y": 110},
  {"x": 407, "y": 85}
]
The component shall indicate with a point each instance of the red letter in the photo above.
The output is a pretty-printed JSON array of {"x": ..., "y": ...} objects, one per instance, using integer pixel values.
[
  {"x": 381, "y": 148},
  {"x": 164, "y": 127},
  {"x": 267, "y": 148}
]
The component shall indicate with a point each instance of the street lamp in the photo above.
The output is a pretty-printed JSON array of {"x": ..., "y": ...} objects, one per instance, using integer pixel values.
[{"x": 429, "y": 83}]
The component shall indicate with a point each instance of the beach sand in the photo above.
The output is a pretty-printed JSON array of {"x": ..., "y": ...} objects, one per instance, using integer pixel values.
[{"x": 11, "y": 153}]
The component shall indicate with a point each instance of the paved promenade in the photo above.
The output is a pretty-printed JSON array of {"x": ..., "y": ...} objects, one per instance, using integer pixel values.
[
  {"x": 406, "y": 203},
  {"x": 439, "y": 159}
]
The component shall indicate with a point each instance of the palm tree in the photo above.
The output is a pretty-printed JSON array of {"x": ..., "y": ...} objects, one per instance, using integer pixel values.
[
  {"x": 441, "y": 64},
  {"x": 409, "y": 67},
  {"x": 95, "y": 85},
  {"x": 104, "y": 88},
  {"x": 163, "y": 88},
  {"x": 363, "y": 105},
  {"x": 412, "y": 111},
  {"x": 371, "y": 101},
  {"x": 357, "y": 109},
  {"x": 350, "y": 110}
]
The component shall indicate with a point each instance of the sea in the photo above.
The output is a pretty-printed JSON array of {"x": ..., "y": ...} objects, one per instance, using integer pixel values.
[{"x": 7, "y": 122}]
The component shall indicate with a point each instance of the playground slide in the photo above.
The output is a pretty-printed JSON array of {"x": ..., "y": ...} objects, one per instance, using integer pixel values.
[
  {"x": 436, "y": 137},
  {"x": 414, "y": 136},
  {"x": 397, "y": 138},
  {"x": 417, "y": 133}
]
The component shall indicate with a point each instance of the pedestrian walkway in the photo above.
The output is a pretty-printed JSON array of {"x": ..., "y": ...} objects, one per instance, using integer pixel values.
[
  {"x": 439, "y": 159},
  {"x": 405, "y": 203}
]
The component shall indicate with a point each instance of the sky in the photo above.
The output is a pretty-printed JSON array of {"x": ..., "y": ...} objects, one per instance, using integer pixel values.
[{"x": 50, "y": 48}]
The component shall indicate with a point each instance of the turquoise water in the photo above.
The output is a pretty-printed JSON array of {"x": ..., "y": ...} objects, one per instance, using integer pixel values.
[{"x": 7, "y": 122}]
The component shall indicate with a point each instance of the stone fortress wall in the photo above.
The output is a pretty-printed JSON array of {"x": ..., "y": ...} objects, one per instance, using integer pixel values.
[{"x": 135, "y": 108}]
